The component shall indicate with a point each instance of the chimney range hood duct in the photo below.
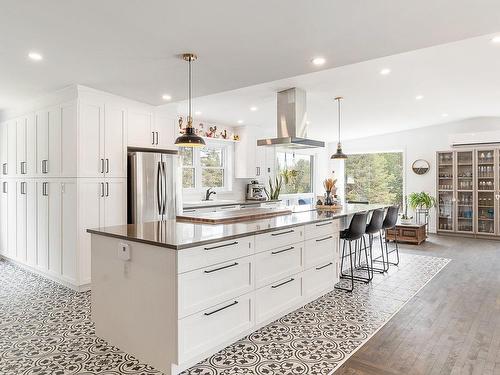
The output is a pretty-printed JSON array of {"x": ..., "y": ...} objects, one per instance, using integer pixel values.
[{"x": 292, "y": 127}]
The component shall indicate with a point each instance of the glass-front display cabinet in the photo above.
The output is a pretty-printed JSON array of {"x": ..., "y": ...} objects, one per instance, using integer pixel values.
[
  {"x": 486, "y": 191},
  {"x": 446, "y": 187},
  {"x": 465, "y": 191}
]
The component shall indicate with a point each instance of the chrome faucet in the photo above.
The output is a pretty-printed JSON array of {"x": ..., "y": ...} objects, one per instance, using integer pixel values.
[{"x": 209, "y": 193}]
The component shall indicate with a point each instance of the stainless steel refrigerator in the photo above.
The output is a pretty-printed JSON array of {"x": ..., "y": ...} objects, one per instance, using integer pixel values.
[{"x": 153, "y": 176}]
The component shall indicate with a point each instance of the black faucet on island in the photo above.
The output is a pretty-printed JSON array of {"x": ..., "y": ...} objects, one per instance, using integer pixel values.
[{"x": 209, "y": 193}]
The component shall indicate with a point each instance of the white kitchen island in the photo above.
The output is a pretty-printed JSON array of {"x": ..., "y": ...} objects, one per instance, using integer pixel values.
[{"x": 173, "y": 293}]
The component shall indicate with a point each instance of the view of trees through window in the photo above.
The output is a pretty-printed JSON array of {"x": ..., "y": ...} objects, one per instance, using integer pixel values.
[
  {"x": 205, "y": 165},
  {"x": 376, "y": 178},
  {"x": 296, "y": 170}
]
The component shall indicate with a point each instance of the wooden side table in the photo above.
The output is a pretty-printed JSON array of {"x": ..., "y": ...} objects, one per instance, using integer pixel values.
[{"x": 407, "y": 233}]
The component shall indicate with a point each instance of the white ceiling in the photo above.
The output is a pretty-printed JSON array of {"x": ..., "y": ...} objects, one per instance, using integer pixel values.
[
  {"x": 461, "y": 79},
  {"x": 130, "y": 47}
]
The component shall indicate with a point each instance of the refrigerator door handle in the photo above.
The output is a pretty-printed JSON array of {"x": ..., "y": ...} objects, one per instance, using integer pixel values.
[
  {"x": 164, "y": 190},
  {"x": 158, "y": 187}
]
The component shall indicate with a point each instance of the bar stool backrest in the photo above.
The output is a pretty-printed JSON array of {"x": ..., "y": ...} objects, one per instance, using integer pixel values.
[
  {"x": 376, "y": 221},
  {"x": 357, "y": 227},
  {"x": 391, "y": 218}
]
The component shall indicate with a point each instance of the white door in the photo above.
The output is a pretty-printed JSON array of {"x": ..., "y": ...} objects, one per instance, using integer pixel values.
[
  {"x": 165, "y": 132},
  {"x": 69, "y": 139},
  {"x": 12, "y": 219},
  {"x": 42, "y": 256},
  {"x": 69, "y": 231},
  {"x": 11, "y": 148},
  {"x": 31, "y": 222},
  {"x": 115, "y": 203},
  {"x": 140, "y": 129},
  {"x": 54, "y": 244},
  {"x": 4, "y": 218},
  {"x": 91, "y": 134},
  {"x": 21, "y": 190},
  {"x": 115, "y": 146},
  {"x": 42, "y": 141},
  {"x": 21, "y": 124}
]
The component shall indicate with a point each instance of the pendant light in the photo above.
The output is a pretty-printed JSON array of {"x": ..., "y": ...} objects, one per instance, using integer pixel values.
[
  {"x": 339, "y": 154},
  {"x": 189, "y": 138}
]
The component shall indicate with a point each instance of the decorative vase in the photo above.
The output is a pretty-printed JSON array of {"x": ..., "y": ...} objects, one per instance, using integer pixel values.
[{"x": 328, "y": 198}]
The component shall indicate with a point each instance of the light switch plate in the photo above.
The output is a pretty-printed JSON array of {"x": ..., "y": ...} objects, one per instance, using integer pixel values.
[{"x": 123, "y": 251}]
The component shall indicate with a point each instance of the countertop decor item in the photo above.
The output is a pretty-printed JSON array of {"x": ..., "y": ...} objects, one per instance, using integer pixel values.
[
  {"x": 339, "y": 154},
  {"x": 420, "y": 166},
  {"x": 329, "y": 201},
  {"x": 189, "y": 138}
]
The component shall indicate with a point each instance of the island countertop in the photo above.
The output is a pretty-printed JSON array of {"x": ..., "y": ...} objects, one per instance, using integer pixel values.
[{"x": 177, "y": 235}]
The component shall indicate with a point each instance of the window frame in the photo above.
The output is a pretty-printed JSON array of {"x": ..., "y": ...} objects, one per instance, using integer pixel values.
[{"x": 312, "y": 161}]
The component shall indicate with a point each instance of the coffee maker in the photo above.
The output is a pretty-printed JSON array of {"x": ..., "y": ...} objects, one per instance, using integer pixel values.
[{"x": 255, "y": 191}]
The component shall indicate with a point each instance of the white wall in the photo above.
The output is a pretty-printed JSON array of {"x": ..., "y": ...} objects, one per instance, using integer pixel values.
[{"x": 421, "y": 143}]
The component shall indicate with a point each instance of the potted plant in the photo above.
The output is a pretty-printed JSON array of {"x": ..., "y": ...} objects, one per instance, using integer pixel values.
[
  {"x": 274, "y": 188},
  {"x": 405, "y": 219},
  {"x": 421, "y": 203}
]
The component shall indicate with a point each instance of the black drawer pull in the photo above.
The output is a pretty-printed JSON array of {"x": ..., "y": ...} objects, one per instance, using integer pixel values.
[
  {"x": 279, "y": 234},
  {"x": 219, "y": 246},
  {"x": 222, "y": 308},
  {"x": 282, "y": 251},
  {"x": 186, "y": 211},
  {"x": 326, "y": 265},
  {"x": 323, "y": 239},
  {"x": 323, "y": 224},
  {"x": 222, "y": 268},
  {"x": 283, "y": 283}
]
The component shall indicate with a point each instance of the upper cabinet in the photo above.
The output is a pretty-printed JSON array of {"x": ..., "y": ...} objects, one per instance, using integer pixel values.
[
  {"x": 4, "y": 144},
  {"x": 165, "y": 131},
  {"x": 149, "y": 130},
  {"x": 252, "y": 161},
  {"x": 103, "y": 140}
]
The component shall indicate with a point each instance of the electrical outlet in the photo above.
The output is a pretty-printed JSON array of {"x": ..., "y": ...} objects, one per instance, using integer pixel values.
[{"x": 123, "y": 251}]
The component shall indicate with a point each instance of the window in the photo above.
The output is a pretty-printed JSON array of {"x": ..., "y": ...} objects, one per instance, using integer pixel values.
[
  {"x": 297, "y": 172},
  {"x": 204, "y": 167},
  {"x": 375, "y": 178}
]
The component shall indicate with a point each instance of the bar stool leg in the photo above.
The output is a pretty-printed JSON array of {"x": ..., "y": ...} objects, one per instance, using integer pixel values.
[
  {"x": 351, "y": 276},
  {"x": 394, "y": 250}
]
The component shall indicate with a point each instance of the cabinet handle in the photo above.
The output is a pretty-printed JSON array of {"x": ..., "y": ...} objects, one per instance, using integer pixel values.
[
  {"x": 102, "y": 189},
  {"x": 279, "y": 234},
  {"x": 4, "y": 186},
  {"x": 4, "y": 168},
  {"x": 324, "y": 239},
  {"x": 186, "y": 211},
  {"x": 219, "y": 246},
  {"x": 222, "y": 268},
  {"x": 326, "y": 265},
  {"x": 157, "y": 138},
  {"x": 323, "y": 224},
  {"x": 153, "y": 133},
  {"x": 45, "y": 166},
  {"x": 222, "y": 308},
  {"x": 282, "y": 251},
  {"x": 23, "y": 167},
  {"x": 23, "y": 188},
  {"x": 102, "y": 166},
  {"x": 107, "y": 189},
  {"x": 226, "y": 208},
  {"x": 45, "y": 190},
  {"x": 107, "y": 165},
  {"x": 283, "y": 283},
  {"x": 257, "y": 171}
]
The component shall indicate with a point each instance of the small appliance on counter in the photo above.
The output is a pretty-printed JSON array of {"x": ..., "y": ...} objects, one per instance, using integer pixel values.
[{"x": 255, "y": 191}]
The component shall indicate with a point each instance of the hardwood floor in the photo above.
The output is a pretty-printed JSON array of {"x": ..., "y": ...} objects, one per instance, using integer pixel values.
[{"x": 452, "y": 326}]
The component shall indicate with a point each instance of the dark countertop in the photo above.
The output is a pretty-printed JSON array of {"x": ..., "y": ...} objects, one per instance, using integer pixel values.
[
  {"x": 223, "y": 203},
  {"x": 178, "y": 235}
]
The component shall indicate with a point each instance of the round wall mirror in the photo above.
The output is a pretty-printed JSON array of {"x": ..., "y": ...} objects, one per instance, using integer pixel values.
[{"x": 420, "y": 166}]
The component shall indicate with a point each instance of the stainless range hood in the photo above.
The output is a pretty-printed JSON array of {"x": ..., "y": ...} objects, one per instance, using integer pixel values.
[{"x": 292, "y": 126}]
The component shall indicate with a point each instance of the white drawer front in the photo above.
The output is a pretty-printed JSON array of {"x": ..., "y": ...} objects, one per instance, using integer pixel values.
[
  {"x": 276, "y": 264},
  {"x": 320, "y": 250},
  {"x": 203, "y": 256},
  {"x": 205, "y": 330},
  {"x": 202, "y": 288},
  {"x": 322, "y": 229},
  {"x": 278, "y": 238},
  {"x": 272, "y": 300},
  {"x": 319, "y": 279}
]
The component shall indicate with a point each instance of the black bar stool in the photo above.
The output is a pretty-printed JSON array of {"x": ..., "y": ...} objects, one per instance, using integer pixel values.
[
  {"x": 390, "y": 221},
  {"x": 355, "y": 232},
  {"x": 375, "y": 226}
]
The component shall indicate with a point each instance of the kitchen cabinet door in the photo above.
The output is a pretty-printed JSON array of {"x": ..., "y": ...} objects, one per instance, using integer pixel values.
[
  {"x": 245, "y": 160},
  {"x": 42, "y": 256},
  {"x": 42, "y": 141},
  {"x": 91, "y": 134},
  {"x": 11, "y": 148},
  {"x": 166, "y": 129},
  {"x": 140, "y": 129},
  {"x": 4, "y": 218},
  {"x": 4, "y": 142},
  {"x": 68, "y": 157},
  {"x": 69, "y": 230},
  {"x": 54, "y": 163},
  {"x": 115, "y": 202},
  {"x": 31, "y": 222},
  {"x": 30, "y": 167},
  {"x": 115, "y": 146},
  {"x": 21, "y": 214},
  {"x": 21, "y": 124},
  {"x": 12, "y": 219},
  {"x": 54, "y": 226}
]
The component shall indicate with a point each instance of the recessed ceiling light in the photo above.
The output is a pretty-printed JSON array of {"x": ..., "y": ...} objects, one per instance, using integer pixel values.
[
  {"x": 444, "y": 115},
  {"x": 308, "y": 122},
  {"x": 240, "y": 121},
  {"x": 35, "y": 56},
  {"x": 318, "y": 61},
  {"x": 253, "y": 109},
  {"x": 197, "y": 113},
  {"x": 385, "y": 71},
  {"x": 419, "y": 97},
  {"x": 496, "y": 39},
  {"x": 166, "y": 97}
]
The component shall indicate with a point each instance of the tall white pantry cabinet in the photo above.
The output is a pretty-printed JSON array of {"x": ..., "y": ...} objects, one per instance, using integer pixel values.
[{"x": 63, "y": 170}]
